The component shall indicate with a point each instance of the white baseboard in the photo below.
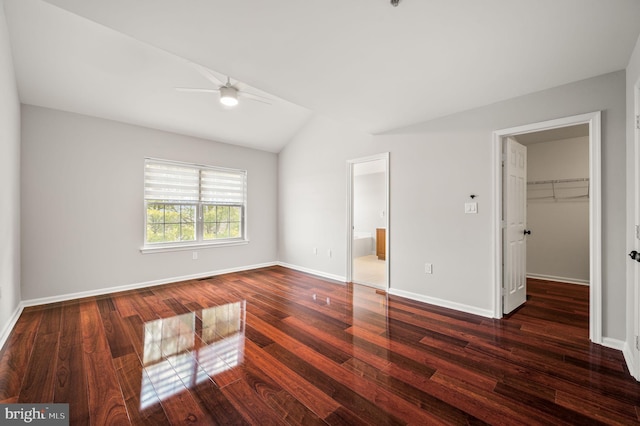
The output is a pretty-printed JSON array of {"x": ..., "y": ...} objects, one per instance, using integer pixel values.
[
  {"x": 107, "y": 290},
  {"x": 627, "y": 352},
  {"x": 558, "y": 279},
  {"x": 443, "y": 303},
  {"x": 8, "y": 328},
  {"x": 333, "y": 277},
  {"x": 630, "y": 360},
  {"x": 614, "y": 343}
]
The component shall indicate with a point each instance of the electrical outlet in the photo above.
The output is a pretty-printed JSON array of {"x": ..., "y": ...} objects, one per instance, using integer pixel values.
[
  {"x": 315, "y": 251},
  {"x": 195, "y": 255},
  {"x": 428, "y": 268},
  {"x": 329, "y": 252}
]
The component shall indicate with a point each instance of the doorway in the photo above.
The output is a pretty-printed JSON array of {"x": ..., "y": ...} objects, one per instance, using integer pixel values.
[
  {"x": 592, "y": 121},
  {"x": 368, "y": 221}
]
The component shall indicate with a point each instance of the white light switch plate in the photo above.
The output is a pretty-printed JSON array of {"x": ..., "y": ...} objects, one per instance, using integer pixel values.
[{"x": 471, "y": 208}]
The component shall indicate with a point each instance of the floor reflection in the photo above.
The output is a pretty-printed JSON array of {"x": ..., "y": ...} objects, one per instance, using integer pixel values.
[
  {"x": 183, "y": 351},
  {"x": 370, "y": 317}
]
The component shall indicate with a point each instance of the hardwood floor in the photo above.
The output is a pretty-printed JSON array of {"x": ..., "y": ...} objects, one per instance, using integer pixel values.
[{"x": 275, "y": 346}]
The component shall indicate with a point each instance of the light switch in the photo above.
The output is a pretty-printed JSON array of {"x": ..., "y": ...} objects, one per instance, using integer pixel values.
[{"x": 471, "y": 208}]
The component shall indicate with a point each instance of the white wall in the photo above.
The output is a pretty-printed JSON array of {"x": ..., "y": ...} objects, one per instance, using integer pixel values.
[
  {"x": 83, "y": 212},
  {"x": 434, "y": 167},
  {"x": 558, "y": 247},
  {"x": 9, "y": 181},
  {"x": 633, "y": 173},
  {"x": 312, "y": 177}
]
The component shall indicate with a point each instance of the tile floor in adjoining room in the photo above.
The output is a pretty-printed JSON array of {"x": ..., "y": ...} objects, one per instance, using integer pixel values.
[{"x": 370, "y": 270}]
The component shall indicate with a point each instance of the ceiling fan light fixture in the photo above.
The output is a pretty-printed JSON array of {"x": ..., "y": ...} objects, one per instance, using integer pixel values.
[{"x": 228, "y": 96}]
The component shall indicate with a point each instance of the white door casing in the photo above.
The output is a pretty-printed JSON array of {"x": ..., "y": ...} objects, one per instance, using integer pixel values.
[
  {"x": 593, "y": 119},
  {"x": 515, "y": 220},
  {"x": 635, "y": 344}
]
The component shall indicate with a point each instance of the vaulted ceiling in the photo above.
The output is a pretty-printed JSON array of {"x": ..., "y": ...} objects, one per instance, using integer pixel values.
[{"x": 362, "y": 62}]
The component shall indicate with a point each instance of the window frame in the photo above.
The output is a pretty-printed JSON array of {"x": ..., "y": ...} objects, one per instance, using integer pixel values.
[{"x": 199, "y": 222}]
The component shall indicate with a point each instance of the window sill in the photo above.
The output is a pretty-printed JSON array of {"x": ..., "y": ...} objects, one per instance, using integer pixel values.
[{"x": 183, "y": 247}]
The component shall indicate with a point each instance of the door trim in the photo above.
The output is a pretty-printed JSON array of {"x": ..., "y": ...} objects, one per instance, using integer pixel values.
[
  {"x": 350, "y": 165},
  {"x": 635, "y": 269},
  {"x": 593, "y": 119}
]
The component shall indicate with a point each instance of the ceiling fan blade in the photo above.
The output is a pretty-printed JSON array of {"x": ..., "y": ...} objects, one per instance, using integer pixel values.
[
  {"x": 207, "y": 74},
  {"x": 254, "y": 97},
  {"x": 196, "y": 89}
]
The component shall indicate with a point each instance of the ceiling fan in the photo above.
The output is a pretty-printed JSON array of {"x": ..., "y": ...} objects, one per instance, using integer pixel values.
[{"x": 229, "y": 93}]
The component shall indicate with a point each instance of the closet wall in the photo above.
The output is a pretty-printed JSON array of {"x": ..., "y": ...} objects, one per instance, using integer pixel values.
[{"x": 558, "y": 211}]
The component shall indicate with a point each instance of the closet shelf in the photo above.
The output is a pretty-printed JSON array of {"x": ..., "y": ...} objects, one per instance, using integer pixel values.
[
  {"x": 542, "y": 182},
  {"x": 560, "y": 192}
]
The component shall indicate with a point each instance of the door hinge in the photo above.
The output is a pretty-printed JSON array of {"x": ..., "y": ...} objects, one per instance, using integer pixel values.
[
  {"x": 638, "y": 122},
  {"x": 637, "y": 232},
  {"x": 637, "y": 343}
]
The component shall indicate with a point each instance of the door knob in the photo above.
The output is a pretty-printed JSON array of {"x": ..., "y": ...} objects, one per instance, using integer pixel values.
[
  {"x": 527, "y": 232},
  {"x": 635, "y": 256}
]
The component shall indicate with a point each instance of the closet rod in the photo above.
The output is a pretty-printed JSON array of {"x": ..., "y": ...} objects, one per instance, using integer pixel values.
[{"x": 541, "y": 182}]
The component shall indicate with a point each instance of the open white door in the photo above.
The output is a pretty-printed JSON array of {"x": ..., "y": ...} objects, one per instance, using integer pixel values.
[{"x": 515, "y": 220}]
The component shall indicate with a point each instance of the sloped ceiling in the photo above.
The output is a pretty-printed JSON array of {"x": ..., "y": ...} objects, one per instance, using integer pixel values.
[{"x": 363, "y": 62}]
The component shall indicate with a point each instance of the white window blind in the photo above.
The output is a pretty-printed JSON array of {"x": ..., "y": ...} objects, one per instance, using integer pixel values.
[
  {"x": 222, "y": 187},
  {"x": 165, "y": 181},
  {"x": 171, "y": 182}
]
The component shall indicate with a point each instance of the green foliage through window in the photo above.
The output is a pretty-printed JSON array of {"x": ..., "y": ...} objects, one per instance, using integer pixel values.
[
  {"x": 170, "y": 223},
  {"x": 222, "y": 222}
]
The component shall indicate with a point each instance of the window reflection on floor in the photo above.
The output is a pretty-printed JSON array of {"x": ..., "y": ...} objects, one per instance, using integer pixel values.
[{"x": 183, "y": 351}]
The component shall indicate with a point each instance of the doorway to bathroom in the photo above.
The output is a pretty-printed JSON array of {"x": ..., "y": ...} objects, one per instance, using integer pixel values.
[{"x": 368, "y": 217}]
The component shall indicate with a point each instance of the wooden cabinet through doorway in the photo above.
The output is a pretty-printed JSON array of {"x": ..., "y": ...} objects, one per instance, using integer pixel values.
[{"x": 381, "y": 243}]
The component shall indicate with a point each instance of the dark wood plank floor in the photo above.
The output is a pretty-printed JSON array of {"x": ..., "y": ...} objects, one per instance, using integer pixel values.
[{"x": 275, "y": 346}]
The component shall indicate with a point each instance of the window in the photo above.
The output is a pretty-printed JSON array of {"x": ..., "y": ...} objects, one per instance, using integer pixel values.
[{"x": 188, "y": 204}]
